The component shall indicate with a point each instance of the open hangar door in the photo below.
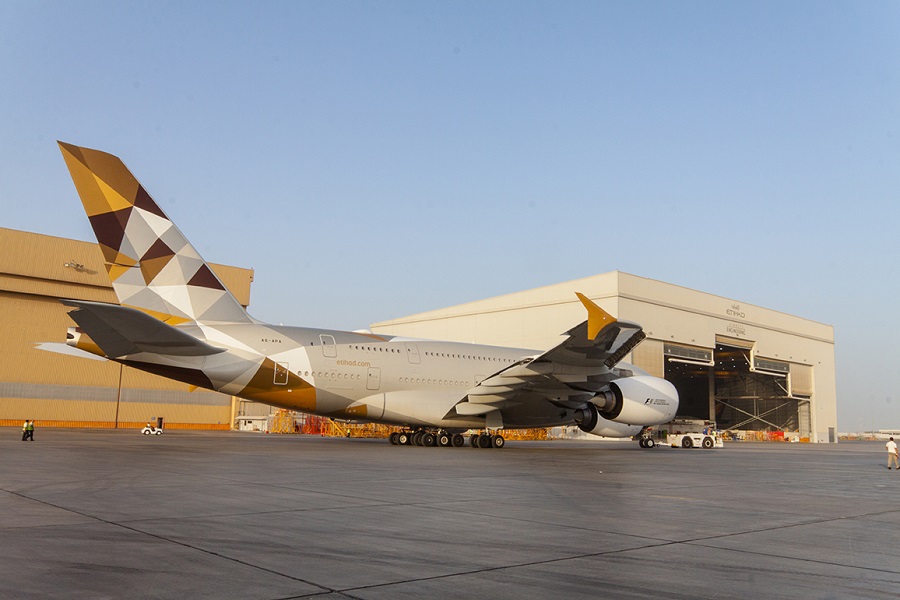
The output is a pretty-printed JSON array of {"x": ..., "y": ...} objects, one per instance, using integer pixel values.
[
  {"x": 736, "y": 389},
  {"x": 690, "y": 370}
]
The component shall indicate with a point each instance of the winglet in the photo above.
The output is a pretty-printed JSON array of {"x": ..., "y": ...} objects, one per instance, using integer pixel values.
[{"x": 597, "y": 317}]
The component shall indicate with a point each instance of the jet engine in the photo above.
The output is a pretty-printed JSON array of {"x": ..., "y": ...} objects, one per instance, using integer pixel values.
[
  {"x": 638, "y": 400},
  {"x": 589, "y": 420}
]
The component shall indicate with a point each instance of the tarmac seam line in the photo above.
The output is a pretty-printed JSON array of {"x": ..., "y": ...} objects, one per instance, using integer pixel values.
[{"x": 325, "y": 589}]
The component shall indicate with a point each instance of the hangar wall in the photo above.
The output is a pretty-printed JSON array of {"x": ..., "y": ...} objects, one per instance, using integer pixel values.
[
  {"x": 58, "y": 390},
  {"x": 694, "y": 325}
]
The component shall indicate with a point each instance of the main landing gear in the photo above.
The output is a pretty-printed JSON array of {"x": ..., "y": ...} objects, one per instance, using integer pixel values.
[
  {"x": 424, "y": 437},
  {"x": 486, "y": 440}
]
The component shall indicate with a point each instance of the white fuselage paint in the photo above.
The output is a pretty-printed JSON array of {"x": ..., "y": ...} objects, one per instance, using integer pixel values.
[{"x": 399, "y": 380}]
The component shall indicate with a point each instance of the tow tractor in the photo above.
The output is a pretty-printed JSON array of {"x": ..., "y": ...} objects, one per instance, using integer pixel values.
[
  {"x": 695, "y": 440},
  {"x": 150, "y": 429},
  {"x": 690, "y": 433}
]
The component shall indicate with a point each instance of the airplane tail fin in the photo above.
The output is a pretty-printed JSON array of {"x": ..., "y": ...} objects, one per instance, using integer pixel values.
[{"x": 151, "y": 264}]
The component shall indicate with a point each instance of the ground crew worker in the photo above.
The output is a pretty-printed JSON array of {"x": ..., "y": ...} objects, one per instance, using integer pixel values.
[
  {"x": 25, "y": 430},
  {"x": 891, "y": 447}
]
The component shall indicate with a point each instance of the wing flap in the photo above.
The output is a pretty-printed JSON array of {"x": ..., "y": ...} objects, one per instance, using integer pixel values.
[{"x": 467, "y": 409}]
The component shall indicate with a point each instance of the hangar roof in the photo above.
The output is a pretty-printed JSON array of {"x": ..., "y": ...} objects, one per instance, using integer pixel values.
[{"x": 657, "y": 306}]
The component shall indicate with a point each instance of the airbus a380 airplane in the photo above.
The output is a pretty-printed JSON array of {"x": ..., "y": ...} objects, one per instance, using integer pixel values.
[{"x": 177, "y": 320}]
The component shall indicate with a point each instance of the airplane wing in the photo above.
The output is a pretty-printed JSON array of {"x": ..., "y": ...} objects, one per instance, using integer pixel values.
[
  {"x": 567, "y": 375},
  {"x": 120, "y": 331}
]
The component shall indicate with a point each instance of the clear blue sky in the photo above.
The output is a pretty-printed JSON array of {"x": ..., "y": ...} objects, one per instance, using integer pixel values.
[{"x": 375, "y": 159}]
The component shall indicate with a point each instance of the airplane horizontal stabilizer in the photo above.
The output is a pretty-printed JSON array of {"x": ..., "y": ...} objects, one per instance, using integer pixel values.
[
  {"x": 60, "y": 348},
  {"x": 121, "y": 331}
]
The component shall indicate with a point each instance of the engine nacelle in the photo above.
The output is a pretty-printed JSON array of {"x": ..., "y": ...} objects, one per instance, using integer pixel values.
[
  {"x": 590, "y": 421},
  {"x": 639, "y": 400}
]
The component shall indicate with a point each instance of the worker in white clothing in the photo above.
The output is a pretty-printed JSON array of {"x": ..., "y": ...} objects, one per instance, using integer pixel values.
[{"x": 892, "y": 454}]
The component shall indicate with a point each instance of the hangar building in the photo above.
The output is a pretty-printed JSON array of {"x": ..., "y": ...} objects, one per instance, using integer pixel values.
[
  {"x": 64, "y": 391},
  {"x": 745, "y": 367}
]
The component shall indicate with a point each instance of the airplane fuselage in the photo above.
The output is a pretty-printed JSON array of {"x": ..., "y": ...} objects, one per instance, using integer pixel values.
[{"x": 351, "y": 375}]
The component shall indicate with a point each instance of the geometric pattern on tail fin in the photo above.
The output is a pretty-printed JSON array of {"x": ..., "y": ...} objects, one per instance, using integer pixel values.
[{"x": 151, "y": 264}]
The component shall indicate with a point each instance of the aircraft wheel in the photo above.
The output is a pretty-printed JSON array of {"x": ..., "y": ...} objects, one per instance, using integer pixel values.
[
  {"x": 444, "y": 439},
  {"x": 417, "y": 438},
  {"x": 393, "y": 438},
  {"x": 687, "y": 442},
  {"x": 484, "y": 441},
  {"x": 458, "y": 440},
  {"x": 707, "y": 442},
  {"x": 642, "y": 443},
  {"x": 403, "y": 438},
  {"x": 649, "y": 443},
  {"x": 497, "y": 441},
  {"x": 427, "y": 439},
  {"x": 473, "y": 440}
]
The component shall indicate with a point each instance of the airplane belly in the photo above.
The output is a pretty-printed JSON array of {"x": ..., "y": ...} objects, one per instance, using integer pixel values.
[
  {"x": 370, "y": 408},
  {"x": 425, "y": 408},
  {"x": 536, "y": 413}
]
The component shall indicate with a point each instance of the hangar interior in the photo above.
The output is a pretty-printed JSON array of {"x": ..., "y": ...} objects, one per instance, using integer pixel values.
[{"x": 737, "y": 390}]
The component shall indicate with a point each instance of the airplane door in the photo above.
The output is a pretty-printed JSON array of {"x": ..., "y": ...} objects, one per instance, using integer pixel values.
[
  {"x": 281, "y": 374},
  {"x": 373, "y": 380},
  {"x": 329, "y": 349},
  {"x": 412, "y": 353}
]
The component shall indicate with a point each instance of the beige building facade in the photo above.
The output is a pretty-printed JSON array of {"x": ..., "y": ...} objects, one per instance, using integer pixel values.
[
  {"x": 748, "y": 368},
  {"x": 36, "y": 271}
]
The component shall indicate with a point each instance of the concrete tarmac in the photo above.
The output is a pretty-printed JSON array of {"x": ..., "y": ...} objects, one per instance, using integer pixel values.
[{"x": 115, "y": 514}]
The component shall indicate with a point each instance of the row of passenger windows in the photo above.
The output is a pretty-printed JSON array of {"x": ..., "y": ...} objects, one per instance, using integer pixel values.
[
  {"x": 376, "y": 349},
  {"x": 434, "y": 354},
  {"x": 357, "y": 376},
  {"x": 431, "y": 381},
  {"x": 327, "y": 375},
  {"x": 468, "y": 357}
]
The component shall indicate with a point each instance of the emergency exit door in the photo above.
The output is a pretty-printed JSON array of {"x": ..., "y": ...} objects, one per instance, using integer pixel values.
[
  {"x": 329, "y": 348},
  {"x": 373, "y": 379},
  {"x": 281, "y": 374}
]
